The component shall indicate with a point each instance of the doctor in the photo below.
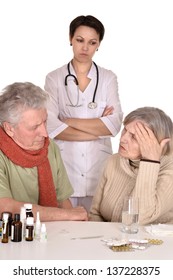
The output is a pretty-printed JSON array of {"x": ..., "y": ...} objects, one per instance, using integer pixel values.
[{"x": 84, "y": 110}]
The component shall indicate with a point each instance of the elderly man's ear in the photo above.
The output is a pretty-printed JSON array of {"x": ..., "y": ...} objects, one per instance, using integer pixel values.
[{"x": 8, "y": 129}]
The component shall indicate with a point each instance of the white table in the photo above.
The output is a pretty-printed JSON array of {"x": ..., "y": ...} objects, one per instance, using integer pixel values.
[{"x": 61, "y": 245}]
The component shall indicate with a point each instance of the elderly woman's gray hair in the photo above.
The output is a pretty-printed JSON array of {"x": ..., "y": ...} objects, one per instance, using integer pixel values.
[
  {"x": 158, "y": 121},
  {"x": 17, "y": 98}
]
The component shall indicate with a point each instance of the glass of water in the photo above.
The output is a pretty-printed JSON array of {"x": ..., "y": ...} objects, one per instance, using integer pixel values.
[{"x": 130, "y": 214}]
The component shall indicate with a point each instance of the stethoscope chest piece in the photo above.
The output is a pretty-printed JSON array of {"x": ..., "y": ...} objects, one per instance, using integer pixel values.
[{"x": 92, "y": 105}]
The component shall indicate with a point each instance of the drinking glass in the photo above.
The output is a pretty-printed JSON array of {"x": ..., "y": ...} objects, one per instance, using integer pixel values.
[{"x": 130, "y": 215}]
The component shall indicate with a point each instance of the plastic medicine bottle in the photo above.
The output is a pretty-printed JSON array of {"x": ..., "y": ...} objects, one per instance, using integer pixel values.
[
  {"x": 43, "y": 233},
  {"x": 16, "y": 229},
  {"x": 37, "y": 226},
  {"x": 23, "y": 220}
]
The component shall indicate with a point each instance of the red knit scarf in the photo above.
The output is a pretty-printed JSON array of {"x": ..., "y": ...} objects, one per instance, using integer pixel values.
[{"x": 29, "y": 159}]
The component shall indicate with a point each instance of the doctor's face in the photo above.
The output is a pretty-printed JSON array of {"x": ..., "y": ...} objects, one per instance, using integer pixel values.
[
  {"x": 85, "y": 42},
  {"x": 129, "y": 147},
  {"x": 31, "y": 131}
]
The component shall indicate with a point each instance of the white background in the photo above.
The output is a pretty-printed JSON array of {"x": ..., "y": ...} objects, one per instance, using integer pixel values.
[{"x": 137, "y": 46}]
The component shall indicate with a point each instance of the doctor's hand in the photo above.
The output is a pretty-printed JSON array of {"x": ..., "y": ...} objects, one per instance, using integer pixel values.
[
  {"x": 108, "y": 111},
  {"x": 150, "y": 148}
]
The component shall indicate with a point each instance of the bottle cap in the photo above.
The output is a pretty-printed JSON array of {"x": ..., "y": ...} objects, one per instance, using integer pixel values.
[
  {"x": 17, "y": 217},
  {"x": 5, "y": 216},
  {"x": 28, "y": 206},
  {"x": 8, "y": 213}
]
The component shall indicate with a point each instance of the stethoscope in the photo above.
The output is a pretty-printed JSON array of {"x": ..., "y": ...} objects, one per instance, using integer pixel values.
[{"x": 92, "y": 104}]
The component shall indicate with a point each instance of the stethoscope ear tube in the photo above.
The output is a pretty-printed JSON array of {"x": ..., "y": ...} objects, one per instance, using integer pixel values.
[
  {"x": 92, "y": 104},
  {"x": 70, "y": 75},
  {"x": 94, "y": 95}
]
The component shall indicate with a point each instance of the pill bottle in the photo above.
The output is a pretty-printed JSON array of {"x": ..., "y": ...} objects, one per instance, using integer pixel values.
[
  {"x": 5, "y": 226},
  {"x": 29, "y": 234},
  {"x": 28, "y": 207},
  {"x": 16, "y": 229},
  {"x": 10, "y": 219},
  {"x": 1, "y": 223}
]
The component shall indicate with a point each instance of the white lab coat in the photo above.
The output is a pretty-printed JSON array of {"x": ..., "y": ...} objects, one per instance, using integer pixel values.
[{"x": 83, "y": 160}]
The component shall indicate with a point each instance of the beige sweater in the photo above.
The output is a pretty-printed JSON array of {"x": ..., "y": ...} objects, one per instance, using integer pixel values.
[{"x": 151, "y": 182}]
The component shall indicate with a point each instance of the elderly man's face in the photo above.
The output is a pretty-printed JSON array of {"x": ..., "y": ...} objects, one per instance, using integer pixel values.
[{"x": 31, "y": 131}]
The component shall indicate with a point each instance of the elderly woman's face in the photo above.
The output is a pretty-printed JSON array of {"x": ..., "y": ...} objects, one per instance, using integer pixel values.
[
  {"x": 129, "y": 147},
  {"x": 31, "y": 131}
]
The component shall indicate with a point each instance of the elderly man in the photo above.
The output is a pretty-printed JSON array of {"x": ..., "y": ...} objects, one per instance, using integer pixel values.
[{"x": 31, "y": 168}]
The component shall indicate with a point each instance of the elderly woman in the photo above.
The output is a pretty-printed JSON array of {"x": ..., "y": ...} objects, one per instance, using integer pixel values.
[
  {"x": 143, "y": 168},
  {"x": 31, "y": 168}
]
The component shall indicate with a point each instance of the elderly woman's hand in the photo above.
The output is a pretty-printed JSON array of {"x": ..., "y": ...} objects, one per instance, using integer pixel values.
[{"x": 149, "y": 146}]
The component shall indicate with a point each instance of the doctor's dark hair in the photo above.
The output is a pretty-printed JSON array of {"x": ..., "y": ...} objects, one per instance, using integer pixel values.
[
  {"x": 158, "y": 121},
  {"x": 89, "y": 21},
  {"x": 17, "y": 98}
]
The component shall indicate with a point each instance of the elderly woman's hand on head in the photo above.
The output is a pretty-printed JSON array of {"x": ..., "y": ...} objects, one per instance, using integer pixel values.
[{"x": 149, "y": 146}]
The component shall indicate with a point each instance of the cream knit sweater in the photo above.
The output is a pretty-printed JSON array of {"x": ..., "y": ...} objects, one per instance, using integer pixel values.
[{"x": 151, "y": 182}]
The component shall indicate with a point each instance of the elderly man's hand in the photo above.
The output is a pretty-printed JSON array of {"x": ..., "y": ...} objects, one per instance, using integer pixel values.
[{"x": 78, "y": 214}]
